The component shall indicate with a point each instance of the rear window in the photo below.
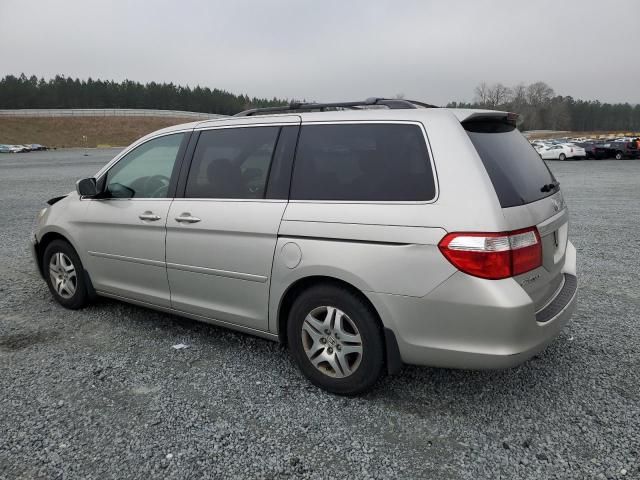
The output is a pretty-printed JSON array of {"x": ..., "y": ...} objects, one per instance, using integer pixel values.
[
  {"x": 362, "y": 162},
  {"x": 515, "y": 168}
]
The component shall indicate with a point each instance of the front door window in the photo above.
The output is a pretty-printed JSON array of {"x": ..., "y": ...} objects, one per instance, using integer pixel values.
[{"x": 145, "y": 172}]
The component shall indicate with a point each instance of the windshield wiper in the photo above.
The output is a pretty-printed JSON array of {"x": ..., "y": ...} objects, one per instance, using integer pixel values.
[{"x": 548, "y": 187}]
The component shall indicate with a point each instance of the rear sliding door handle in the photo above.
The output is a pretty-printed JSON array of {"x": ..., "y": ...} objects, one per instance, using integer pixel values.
[
  {"x": 187, "y": 218},
  {"x": 150, "y": 216}
]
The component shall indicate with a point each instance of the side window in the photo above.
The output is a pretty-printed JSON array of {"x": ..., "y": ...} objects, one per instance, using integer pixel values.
[
  {"x": 232, "y": 163},
  {"x": 146, "y": 171},
  {"x": 362, "y": 162}
]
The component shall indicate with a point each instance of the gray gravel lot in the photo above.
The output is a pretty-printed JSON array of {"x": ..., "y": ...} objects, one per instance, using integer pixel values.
[{"x": 100, "y": 393}]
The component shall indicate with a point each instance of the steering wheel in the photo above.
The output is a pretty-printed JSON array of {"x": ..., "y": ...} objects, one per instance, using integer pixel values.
[{"x": 156, "y": 184}]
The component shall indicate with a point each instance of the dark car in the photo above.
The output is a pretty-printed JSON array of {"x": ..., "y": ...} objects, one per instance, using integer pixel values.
[
  {"x": 618, "y": 150},
  {"x": 591, "y": 150}
]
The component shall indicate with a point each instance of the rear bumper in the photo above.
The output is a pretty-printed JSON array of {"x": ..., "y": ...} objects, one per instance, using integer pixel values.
[{"x": 472, "y": 323}]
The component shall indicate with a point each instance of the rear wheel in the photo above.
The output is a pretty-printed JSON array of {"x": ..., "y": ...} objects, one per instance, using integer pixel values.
[
  {"x": 336, "y": 340},
  {"x": 562, "y": 157},
  {"x": 619, "y": 156},
  {"x": 65, "y": 275}
]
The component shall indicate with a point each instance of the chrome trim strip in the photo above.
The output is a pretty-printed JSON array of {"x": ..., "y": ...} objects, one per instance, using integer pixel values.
[
  {"x": 219, "y": 273},
  {"x": 230, "y": 200},
  {"x": 276, "y": 123},
  {"x": 553, "y": 223},
  {"x": 142, "y": 261}
]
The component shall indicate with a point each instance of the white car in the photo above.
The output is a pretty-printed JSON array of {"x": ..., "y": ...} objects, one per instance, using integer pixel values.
[
  {"x": 18, "y": 148},
  {"x": 539, "y": 146},
  {"x": 562, "y": 152}
]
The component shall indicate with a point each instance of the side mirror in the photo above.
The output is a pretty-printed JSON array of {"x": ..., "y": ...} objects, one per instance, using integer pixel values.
[{"x": 87, "y": 187}]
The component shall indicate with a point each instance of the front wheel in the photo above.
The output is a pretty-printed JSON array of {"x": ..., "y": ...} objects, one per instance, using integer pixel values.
[
  {"x": 619, "y": 156},
  {"x": 562, "y": 157},
  {"x": 65, "y": 275},
  {"x": 336, "y": 340}
]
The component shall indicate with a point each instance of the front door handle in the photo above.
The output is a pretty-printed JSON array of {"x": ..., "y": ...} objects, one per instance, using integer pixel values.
[
  {"x": 149, "y": 216},
  {"x": 187, "y": 218}
]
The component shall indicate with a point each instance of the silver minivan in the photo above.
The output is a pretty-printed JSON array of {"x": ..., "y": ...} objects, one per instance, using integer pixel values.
[{"x": 363, "y": 235}]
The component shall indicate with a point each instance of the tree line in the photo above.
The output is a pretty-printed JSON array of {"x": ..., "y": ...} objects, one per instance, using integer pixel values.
[
  {"x": 65, "y": 92},
  {"x": 541, "y": 109},
  {"x": 538, "y": 105}
]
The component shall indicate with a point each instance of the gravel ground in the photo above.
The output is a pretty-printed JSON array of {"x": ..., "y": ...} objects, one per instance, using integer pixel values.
[{"x": 100, "y": 393}]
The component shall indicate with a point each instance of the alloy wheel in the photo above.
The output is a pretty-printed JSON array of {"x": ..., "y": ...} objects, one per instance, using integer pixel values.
[
  {"x": 63, "y": 275},
  {"x": 332, "y": 341}
]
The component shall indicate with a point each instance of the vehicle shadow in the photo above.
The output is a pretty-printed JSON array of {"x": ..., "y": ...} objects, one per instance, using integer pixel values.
[
  {"x": 540, "y": 377},
  {"x": 410, "y": 389}
]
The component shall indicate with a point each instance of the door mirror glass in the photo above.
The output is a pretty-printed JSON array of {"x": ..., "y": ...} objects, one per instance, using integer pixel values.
[{"x": 87, "y": 187}]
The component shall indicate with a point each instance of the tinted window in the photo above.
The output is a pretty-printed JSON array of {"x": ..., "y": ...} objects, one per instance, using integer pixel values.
[
  {"x": 515, "y": 168},
  {"x": 232, "y": 163},
  {"x": 364, "y": 162},
  {"x": 146, "y": 171}
]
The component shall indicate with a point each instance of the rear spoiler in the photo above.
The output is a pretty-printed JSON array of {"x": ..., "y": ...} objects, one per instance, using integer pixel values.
[{"x": 467, "y": 115}]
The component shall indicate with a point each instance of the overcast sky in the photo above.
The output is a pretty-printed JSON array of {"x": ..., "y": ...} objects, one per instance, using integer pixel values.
[{"x": 324, "y": 50}]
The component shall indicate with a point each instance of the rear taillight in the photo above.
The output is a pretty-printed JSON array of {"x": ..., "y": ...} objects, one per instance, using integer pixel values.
[{"x": 493, "y": 255}]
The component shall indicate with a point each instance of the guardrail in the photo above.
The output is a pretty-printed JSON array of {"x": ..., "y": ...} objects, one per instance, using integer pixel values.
[{"x": 104, "y": 112}]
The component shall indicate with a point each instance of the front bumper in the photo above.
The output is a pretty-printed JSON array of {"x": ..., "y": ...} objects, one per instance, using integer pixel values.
[
  {"x": 33, "y": 247},
  {"x": 473, "y": 323}
]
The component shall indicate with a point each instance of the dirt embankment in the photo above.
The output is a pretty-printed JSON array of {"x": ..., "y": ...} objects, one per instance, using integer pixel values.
[{"x": 80, "y": 131}]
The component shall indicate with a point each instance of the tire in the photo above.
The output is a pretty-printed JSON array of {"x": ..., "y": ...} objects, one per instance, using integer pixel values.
[
  {"x": 64, "y": 275},
  {"x": 352, "y": 325},
  {"x": 562, "y": 157},
  {"x": 619, "y": 156}
]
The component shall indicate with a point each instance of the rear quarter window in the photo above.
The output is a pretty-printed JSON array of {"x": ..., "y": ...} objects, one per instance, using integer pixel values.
[
  {"x": 516, "y": 170},
  {"x": 362, "y": 162}
]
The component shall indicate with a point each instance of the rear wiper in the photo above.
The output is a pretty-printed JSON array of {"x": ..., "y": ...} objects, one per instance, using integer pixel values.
[{"x": 548, "y": 187}]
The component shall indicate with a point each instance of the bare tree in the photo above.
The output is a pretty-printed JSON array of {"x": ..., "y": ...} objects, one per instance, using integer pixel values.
[
  {"x": 482, "y": 93},
  {"x": 498, "y": 94},
  {"x": 399, "y": 96},
  {"x": 519, "y": 96}
]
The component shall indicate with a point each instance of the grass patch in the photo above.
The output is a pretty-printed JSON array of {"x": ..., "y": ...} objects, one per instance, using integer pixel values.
[{"x": 80, "y": 131}]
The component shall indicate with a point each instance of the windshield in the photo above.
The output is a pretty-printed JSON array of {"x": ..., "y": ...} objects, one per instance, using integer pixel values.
[{"x": 517, "y": 172}]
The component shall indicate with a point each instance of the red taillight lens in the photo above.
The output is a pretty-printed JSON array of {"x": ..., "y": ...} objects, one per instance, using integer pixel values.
[{"x": 493, "y": 255}]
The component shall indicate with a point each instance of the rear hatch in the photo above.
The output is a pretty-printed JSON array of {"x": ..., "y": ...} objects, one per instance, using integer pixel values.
[{"x": 529, "y": 196}]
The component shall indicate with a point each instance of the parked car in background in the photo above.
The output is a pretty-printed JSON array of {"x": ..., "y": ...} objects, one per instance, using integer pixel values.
[
  {"x": 563, "y": 151},
  {"x": 592, "y": 150},
  {"x": 18, "y": 148},
  {"x": 539, "y": 146},
  {"x": 619, "y": 150},
  {"x": 37, "y": 147},
  {"x": 5, "y": 149}
]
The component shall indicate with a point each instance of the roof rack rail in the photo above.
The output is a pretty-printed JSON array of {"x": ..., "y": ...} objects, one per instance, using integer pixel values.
[{"x": 392, "y": 103}]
